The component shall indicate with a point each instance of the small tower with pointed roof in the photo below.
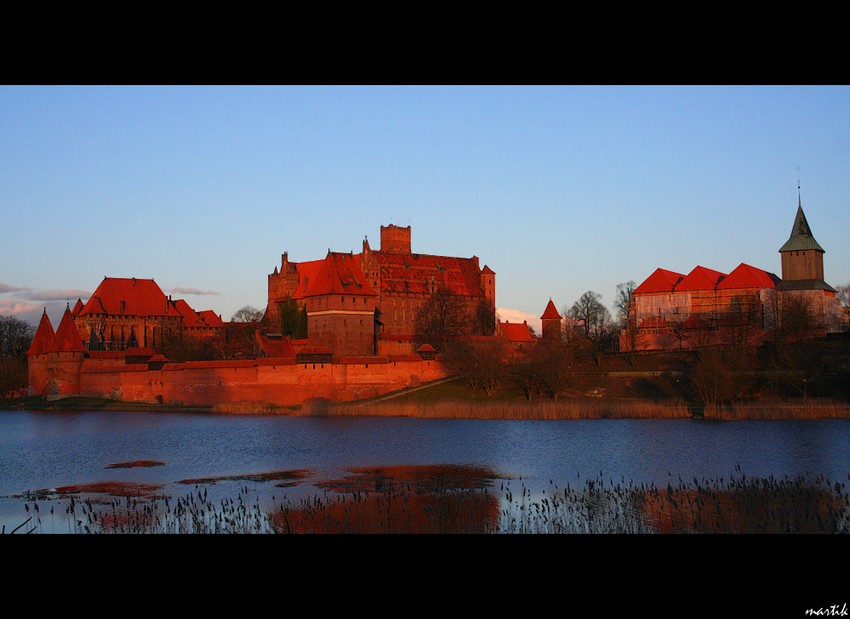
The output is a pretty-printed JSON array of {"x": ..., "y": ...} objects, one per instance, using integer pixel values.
[
  {"x": 802, "y": 256},
  {"x": 551, "y": 320}
]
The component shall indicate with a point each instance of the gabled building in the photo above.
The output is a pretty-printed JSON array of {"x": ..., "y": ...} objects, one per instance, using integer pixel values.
[
  {"x": 671, "y": 310},
  {"x": 135, "y": 313},
  {"x": 367, "y": 303}
]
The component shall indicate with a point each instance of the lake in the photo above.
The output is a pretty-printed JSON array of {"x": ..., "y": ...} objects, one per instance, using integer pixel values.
[{"x": 43, "y": 450}]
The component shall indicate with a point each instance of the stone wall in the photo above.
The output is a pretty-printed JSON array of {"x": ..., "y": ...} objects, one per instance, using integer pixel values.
[{"x": 278, "y": 382}]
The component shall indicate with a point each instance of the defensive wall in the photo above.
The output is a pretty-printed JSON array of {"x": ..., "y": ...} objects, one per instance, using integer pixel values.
[{"x": 269, "y": 381}]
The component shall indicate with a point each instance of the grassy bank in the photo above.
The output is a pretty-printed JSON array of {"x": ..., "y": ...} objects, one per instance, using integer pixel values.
[
  {"x": 580, "y": 409},
  {"x": 454, "y": 400},
  {"x": 538, "y": 409}
]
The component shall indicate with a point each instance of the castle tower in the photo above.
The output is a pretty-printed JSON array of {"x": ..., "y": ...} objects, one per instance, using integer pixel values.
[
  {"x": 488, "y": 284},
  {"x": 802, "y": 256},
  {"x": 395, "y": 239},
  {"x": 551, "y": 320},
  {"x": 64, "y": 359},
  {"x": 37, "y": 373}
]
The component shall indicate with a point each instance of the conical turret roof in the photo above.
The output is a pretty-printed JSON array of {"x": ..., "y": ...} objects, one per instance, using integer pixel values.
[
  {"x": 43, "y": 339},
  {"x": 67, "y": 338},
  {"x": 550, "y": 312},
  {"x": 801, "y": 235}
]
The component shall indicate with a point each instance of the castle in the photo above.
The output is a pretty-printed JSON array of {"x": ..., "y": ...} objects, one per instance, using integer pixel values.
[
  {"x": 367, "y": 303},
  {"x": 345, "y": 326},
  {"x": 672, "y": 310},
  {"x": 360, "y": 337}
]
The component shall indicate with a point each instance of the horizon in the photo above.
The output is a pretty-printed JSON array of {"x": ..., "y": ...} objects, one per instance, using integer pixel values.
[{"x": 558, "y": 189}]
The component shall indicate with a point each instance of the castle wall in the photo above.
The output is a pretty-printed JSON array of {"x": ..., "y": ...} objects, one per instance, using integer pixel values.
[
  {"x": 54, "y": 375},
  {"x": 279, "y": 382}
]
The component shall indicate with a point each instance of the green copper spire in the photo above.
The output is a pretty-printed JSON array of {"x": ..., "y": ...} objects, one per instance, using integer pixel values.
[{"x": 801, "y": 235}]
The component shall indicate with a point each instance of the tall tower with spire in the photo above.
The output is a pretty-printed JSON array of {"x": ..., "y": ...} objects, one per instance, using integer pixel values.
[{"x": 802, "y": 256}]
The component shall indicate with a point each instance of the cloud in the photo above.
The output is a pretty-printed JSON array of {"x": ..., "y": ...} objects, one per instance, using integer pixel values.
[
  {"x": 16, "y": 306},
  {"x": 194, "y": 291},
  {"x": 58, "y": 295},
  {"x": 4, "y": 288},
  {"x": 507, "y": 314}
]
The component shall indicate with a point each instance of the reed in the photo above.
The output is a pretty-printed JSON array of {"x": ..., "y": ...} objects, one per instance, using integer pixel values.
[
  {"x": 737, "y": 504},
  {"x": 537, "y": 409}
]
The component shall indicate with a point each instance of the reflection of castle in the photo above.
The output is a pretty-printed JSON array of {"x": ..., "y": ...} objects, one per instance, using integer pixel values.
[
  {"x": 672, "y": 310},
  {"x": 366, "y": 303}
]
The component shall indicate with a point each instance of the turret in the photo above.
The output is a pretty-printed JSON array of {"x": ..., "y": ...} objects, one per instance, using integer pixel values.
[
  {"x": 802, "y": 256},
  {"x": 551, "y": 320}
]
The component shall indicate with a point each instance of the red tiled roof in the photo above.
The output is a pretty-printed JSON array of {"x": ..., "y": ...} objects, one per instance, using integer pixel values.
[
  {"x": 338, "y": 274},
  {"x": 515, "y": 332},
  {"x": 415, "y": 272},
  {"x": 661, "y": 280},
  {"x": 210, "y": 318},
  {"x": 77, "y": 307},
  {"x": 746, "y": 276},
  {"x": 43, "y": 339},
  {"x": 700, "y": 279},
  {"x": 278, "y": 349},
  {"x": 142, "y": 297},
  {"x": 190, "y": 316},
  {"x": 550, "y": 312},
  {"x": 487, "y": 271},
  {"x": 67, "y": 338},
  {"x": 426, "y": 348}
]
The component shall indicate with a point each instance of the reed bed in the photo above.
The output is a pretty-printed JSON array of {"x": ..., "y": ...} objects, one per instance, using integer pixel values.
[
  {"x": 539, "y": 409},
  {"x": 810, "y": 409},
  {"x": 737, "y": 504}
]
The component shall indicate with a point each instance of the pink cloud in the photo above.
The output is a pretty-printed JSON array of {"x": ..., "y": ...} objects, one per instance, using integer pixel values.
[{"x": 195, "y": 291}]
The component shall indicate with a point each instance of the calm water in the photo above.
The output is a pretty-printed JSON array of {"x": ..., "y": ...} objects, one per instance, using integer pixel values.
[{"x": 42, "y": 450}]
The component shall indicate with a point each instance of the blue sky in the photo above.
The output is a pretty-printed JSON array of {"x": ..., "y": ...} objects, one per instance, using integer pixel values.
[{"x": 559, "y": 189}]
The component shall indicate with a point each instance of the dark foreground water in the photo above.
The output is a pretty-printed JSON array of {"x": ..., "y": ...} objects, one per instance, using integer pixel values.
[{"x": 44, "y": 451}]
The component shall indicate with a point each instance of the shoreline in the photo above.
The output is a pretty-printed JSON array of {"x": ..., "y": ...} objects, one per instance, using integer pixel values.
[{"x": 460, "y": 408}]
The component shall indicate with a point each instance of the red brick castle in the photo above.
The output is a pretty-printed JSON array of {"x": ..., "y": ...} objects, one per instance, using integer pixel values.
[
  {"x": 367, "y": 303},
  {"x": 360, "y": 338}
]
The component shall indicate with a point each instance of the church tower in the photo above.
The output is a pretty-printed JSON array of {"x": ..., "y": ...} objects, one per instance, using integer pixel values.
[
  {"x": 802, "y": 256},
  {"x": 551, "y": 321}
]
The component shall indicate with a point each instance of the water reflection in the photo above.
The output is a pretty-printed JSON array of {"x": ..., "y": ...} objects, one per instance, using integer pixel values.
[
  {"x": 397, "y": 499},
  {"x": 270, "y": 461}
]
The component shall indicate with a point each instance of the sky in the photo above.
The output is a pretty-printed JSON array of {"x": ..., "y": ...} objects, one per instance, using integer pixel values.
[{"x": 559, "y": 189}]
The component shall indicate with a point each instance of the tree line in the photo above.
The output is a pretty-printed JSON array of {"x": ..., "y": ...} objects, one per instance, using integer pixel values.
[
  {"x": 728, "y": 367},
  {"x": 15, "y": 339}
]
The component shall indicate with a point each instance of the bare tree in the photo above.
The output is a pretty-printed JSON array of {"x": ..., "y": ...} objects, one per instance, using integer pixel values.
[
  {"x": 15, "y": 339},
  {"x": 593, "y": 320},
  {"x": 843, "y": 295},
  {"x": 485, "y": 318},
  {"x": 481, "y": 364},
  {"x": 442, "y": 318},
  {"x": 247, "y": 314},
  {"x": 626, "y": 319},
  {"x": 623, "y": 301},
  {"x": 721, "y": 376}
]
